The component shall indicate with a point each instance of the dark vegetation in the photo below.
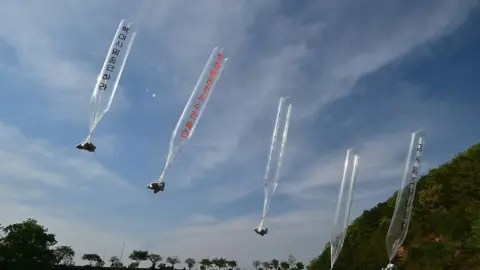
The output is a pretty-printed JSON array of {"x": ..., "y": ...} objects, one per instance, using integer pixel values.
[
  {"x": 29, "y": 246},
  {"x": 444, "y": 230},
  {"x": 444, "y": 234}
]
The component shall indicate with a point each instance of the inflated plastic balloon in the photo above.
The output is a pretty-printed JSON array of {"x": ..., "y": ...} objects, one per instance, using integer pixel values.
[
  {"x": 193, "y": 111},
  {"x": 344, "y": 204},
  {"x": 271, "y": 183},
  {"x": 397, "y": 232},
  {"x": 107, "y": 80}
]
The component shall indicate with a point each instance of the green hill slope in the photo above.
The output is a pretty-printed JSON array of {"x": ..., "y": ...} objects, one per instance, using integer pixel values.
[{"x": 444, "y": 230}]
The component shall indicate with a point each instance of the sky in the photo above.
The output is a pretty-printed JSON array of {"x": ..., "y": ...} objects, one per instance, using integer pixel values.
[{"x": 363, "y": 74}]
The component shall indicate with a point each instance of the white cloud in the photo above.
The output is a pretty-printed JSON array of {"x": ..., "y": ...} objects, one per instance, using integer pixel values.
[{"x": 272, "y": 53}]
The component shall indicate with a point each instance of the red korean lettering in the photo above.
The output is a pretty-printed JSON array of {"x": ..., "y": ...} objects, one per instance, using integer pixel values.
[
  {"x": 185, "y": 133},
  {"x": 213, "y": 72},
  {"x": 220, "y": 56},
  {"x": 202, "y": 97},
  {"x": 197, "y": 106},
  {"x": 217, "y": 65},
  {"x": 193, "y": 115},
  {"x": 189, "y": 124},
  {"x": 209, "y": 80},
  {"x": 206, "y": 89}
]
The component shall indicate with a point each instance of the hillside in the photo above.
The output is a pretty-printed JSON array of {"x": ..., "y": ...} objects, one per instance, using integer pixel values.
[{"x": 444, "y": 231}]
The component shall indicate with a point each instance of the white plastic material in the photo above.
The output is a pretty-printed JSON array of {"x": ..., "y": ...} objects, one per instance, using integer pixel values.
[
  {"x": 195, "y": 106},
  {"x": 397, "y": 232},
  {"x": 344, "y": 204},
  {"x": 110, "y": 74},
  {"x": 270, "y": 184}
]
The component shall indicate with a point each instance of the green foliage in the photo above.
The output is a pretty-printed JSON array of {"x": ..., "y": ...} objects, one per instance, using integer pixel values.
[
  {"x": 92, "y": 258},
  {"x": 232, "y": 263},
  {"x": 173, "y": 260},
  {"x": 190, "y": 262},
  {"x": 64, "y": 256},
  {"x": 256, "y": 264},
  {"x": 138, "y": 256},
  {"x": 115, "y": 262},
  {"x": 154, "y": 259},
  {"x": 444, "y": 231},
  {"x": 27, "y": 245}
]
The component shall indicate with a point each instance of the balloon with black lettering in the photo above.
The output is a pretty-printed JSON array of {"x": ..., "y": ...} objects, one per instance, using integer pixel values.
[
  {"x": 108, "y": 79},
  {"x": 193, "y": 111},
  {"x": 397, "y": 232}
]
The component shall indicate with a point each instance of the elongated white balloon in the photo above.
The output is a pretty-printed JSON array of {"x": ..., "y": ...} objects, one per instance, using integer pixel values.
[
  {"x": 193, "y": 110},
  {"x": 344, "y": 204},
  {"x": 109, "y": 77},
  {"x": 397, "y": 232},
  {"x": 270, "y": 184}
]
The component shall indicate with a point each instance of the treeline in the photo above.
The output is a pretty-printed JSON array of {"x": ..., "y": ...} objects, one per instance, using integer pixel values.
[
  {"x": 29, "y": 245},
  {"x": 444, "y": 230}
]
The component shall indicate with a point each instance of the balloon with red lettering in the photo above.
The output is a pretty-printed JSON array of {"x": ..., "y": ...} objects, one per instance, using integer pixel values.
[
  {"x": 193, "y": 111},
  {"x": 397, "y": 232},
  {"x": 271, "y": 183},
  {"x": 344, "y": 204},
  {"x": 109, "y": 77}
]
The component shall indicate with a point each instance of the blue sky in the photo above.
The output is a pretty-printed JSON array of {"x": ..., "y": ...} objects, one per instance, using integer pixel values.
[{"x": 361, "y": 75}]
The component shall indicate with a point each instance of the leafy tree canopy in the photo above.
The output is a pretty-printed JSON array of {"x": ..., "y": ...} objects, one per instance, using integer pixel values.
[{"x": 444, "y": 230}]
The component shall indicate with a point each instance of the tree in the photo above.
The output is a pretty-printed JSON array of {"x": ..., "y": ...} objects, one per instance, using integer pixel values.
[
  {"x": 275, "y": 264},
  {"x": 220, "y": 262},
  {"x": 134, "y": 265},
  {"x": 29, "y": 240},
  {"x": 154, "y": 258},
  {"x": 64, "y": 256},
  {"x": 266, "y": 265},
  {"x": 99, "y": 263},
  {"x": 116, "y": 263},
  {"x": 138, "y": 256},
  {"x": 256, "y": 264},
  {"x": 299, "y": 266},
  {"x": 284, "y": 265},
  {"x": 291, "y": 261},
  {"x": 443, "y": 226},
  {"x": 232, "y": 263},
  {"x": 206, "y": 263},
  {"x": 173, "y": 260},
  {"x": 91, "y": 258},
  {"x": 190, "y": 262}
]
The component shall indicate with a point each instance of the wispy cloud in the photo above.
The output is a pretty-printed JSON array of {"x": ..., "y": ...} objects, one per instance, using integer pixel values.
[{"x": 329, "y": 59}]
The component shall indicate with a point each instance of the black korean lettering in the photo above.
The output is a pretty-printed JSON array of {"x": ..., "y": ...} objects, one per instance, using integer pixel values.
[
  {"x": 122, "y": 36},
  {"x": 112, "y": 60},
  {"x": 418, "y": 159},
  {"x": 420, "y": 147},
  {"x": 115, "y": 51},
  {"x": 119, "y": 44},
  {"x": 106, "y": 76},
  {"x": 102, "y": 86},
  {"x": 415, "y": 170},
  {"x": 110, "y": 68},
  {"x": 125, "y": 29}
]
